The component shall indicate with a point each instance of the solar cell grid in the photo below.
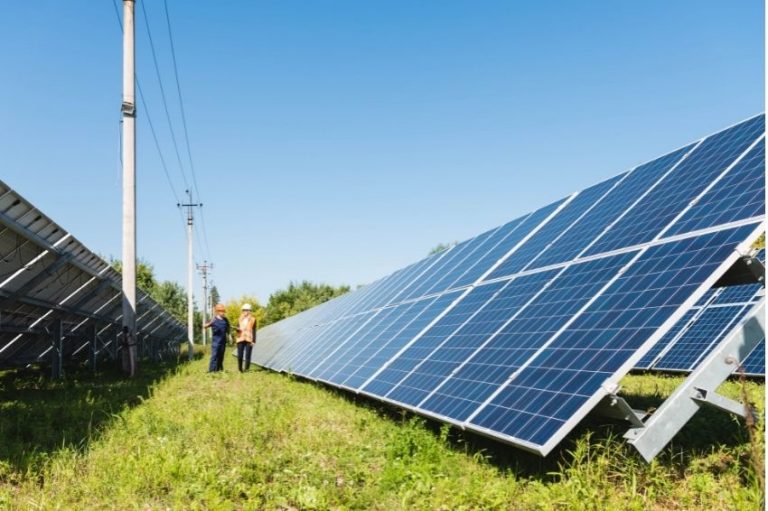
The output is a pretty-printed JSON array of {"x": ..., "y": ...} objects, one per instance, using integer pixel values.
[
  {"x": 549, "y": 233},
  {"x": 412, "y": 357},
  {"x": 452, "y": 259},
  {"x": 604, "y": 339},
  {"x": 705, "y": 163},
  {"x": 511, "y": 236},
  {"x": 390, "y": 317},
  {"x": 389, "y": 345},
  {"x": 395, "y": 285},
  {"x": 740, "y": 195},
  {"x": 754, "y": 364},
  {"x": 448, "y": 277},
  {"x": 638, "y": 182},
  {"x": 529, "y": 329},
  {"x": 697, "y": 340},
  {"x": 454, "y": 348},
  {"x": 648, "y": 359},
  {"x": 307, "y": 359}
]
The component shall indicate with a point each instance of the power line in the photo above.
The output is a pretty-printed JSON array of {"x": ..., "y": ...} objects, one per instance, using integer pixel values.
[
  {"x": 181, "y": 100},
  {"x": 184, "y": 123},
  {"x": 157, "y": 142},
  {"x": 162, "y": 96}
]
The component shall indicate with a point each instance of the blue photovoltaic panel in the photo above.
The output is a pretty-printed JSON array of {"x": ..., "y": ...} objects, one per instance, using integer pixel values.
[
  {"x": 549, "y": 233},
  {"x": 454, "y": 348},
  {"x": 739, "y": 298},
  {"x": 558, "y": 382},
  {"x": 730, "y": 294},
  {"x": 370, "y": 360},
  {"x": 304, "y": 337},
  {"x": 421, "y": 349},
  {"x": 705, "y": 163},
  {"x": 363, "y": 347},
  {"x": 755, "y": 362},
  {"x": 397, "y": 283},
  {"x": 710, "y": 327},
  {"x": 738, "y": 294},
  {"x": 647, "y": 361},
  {"x": 488, "y": 243},
  {"x": 638, "y": 182},
  {"x": 326, "y": 368},
  {"x": 740, "y": 195},
  {"x": 518, "y": 340},
  {"x": 507, "y": 240},
  {"x": 453, "y": 259},
  {"x": 709, "y": 324},
  {"x": 583, "y": 289},
  {"x": 309, "y": 357}
]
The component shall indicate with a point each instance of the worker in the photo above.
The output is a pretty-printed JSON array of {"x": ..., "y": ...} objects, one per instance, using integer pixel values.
[
  {"x": 219, "y": 326},
  {"x": 246, "y": 336}
]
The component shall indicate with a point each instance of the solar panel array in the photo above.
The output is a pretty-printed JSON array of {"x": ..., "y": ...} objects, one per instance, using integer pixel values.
[
  {"x": 46, "y": 275},
  {"x": 520, "y": 331},
  {"x": 702, "y": 327}
]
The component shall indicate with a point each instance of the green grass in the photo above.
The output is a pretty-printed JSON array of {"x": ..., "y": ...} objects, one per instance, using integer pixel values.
[{"x": 178, "y": 438}]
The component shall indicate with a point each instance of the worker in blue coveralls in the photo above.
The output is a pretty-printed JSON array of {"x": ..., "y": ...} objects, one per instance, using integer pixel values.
[{"x": 219, "y": 326}]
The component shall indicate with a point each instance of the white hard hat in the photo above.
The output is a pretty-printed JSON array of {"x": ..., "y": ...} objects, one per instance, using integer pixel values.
[{"x": 246, "y": 306}]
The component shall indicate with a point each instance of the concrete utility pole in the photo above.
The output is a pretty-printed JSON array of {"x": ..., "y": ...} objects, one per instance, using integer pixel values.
[
  {"x": 204, "y": 269},
  {"x": 190, "y": 272},
  {"x": 129, "y": 169}
]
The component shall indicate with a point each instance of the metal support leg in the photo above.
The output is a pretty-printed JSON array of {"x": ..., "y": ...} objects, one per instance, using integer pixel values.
[
  {"x": 57, "y": 335},
  {"x": 700, "y": 386},
  {"x": 91, "y": 334}
]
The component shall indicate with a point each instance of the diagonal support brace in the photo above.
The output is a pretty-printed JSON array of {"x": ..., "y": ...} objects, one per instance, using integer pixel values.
[
  {"x": 616, "y": 407},
  {"x": 715, "y": 400},
  {"x": 678, "y": 409}
]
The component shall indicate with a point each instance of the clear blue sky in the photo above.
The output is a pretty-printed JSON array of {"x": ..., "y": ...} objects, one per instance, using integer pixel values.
[{"x": 337, "y": 141}]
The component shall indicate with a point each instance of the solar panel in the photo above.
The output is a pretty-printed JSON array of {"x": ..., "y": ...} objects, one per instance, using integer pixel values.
[
  {"x": 46, "y": 277},
  {"x": 704, "y": 326},
  {"x": 520, "y": 332},
  {"x": 754, "y": 364}
]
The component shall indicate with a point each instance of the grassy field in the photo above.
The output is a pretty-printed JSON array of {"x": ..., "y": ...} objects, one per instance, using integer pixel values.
[{"x": 178, "y": 438}]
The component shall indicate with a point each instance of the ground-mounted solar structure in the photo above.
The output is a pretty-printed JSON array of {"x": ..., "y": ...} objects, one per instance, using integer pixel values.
[
  {"x": 60, "y": 301},
  {"x": 703, "y": 326},
  {"x": 523, "y": 330}
]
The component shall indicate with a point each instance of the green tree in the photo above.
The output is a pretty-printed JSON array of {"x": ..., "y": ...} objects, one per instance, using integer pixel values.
[
  {"x": 440, "y": 247},
  {"x": 215, "y": 296},
  {"x": 168, "y": 294},
  {"x": 145, "y": 275},
  {"x": 172, "y": 297},
  {"x": 299, "y": 297}
]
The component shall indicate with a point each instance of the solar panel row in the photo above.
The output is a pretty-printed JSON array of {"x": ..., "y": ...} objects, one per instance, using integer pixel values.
[
  {"x": 703, "y": 327},
  {"x": 519, "y": 332},
  {"x": 47, "y": 275}
]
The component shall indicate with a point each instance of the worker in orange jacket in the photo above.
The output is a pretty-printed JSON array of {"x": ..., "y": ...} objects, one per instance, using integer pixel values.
[{"x": 246, "y": 337}]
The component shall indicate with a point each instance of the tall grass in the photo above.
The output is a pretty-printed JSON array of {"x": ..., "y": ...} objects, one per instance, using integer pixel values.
[{"x": 184, "y": 439}]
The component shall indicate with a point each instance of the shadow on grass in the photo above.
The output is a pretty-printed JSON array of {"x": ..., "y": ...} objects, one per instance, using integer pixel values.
[
  {"x": 39, "y": 415},
  {"x": 707, "y": 429}
]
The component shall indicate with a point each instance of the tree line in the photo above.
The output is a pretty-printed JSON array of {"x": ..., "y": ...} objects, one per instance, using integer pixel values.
[{"x": 297, "y": 297}]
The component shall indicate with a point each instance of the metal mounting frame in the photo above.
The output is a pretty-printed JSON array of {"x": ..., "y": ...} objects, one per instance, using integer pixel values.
[
  {"x": 747, "y": 269},
  {"x": 616, "y": 407},
  {"x": 700, "y": 387}
]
